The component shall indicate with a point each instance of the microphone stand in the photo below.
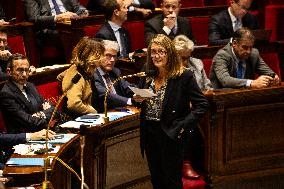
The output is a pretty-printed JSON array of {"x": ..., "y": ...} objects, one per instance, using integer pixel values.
[
  {"x": 140, "y": 74},
  {"x": 47, "y": 184}
]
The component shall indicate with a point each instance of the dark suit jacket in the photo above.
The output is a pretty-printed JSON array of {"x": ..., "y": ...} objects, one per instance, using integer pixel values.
[
  {"x": 223, "y": 69},
  {"x": 155, "y": 26},
  {"x": 221, "y": 27},
  {"x": 121, "y": 87},
  {"x": 39, "y": 12},
  {"x": 3, "y": 75},
  {"x": 7, "y": 141},
  {"x": 17, "y": 110},
  {"x": 12, "y": 139},
  {"x": 106, "y": 32},
  {"x": 177, "y": 116},
  {"x": 2, "y": 13}
]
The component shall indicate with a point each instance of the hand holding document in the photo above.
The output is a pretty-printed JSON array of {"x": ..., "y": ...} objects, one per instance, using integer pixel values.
[{"x": 145, "y": 93}]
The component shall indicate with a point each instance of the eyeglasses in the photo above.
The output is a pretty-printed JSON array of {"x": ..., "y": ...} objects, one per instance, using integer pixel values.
[
  {"x": 173, "y": 6},
  {"x": 22, "y": 70},
  {"x": 242, "y": 7},
  {"x": 159, "y": 52},
  {"x": 109, "y": 56},
  {"x": 3, "y": 40}
]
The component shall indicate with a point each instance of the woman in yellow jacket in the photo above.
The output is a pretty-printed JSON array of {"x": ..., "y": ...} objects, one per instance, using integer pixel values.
[{"x": 85, "y": 58}]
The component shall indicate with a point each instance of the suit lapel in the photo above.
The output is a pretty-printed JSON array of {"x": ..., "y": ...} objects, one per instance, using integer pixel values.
[
  {"x": 228, "y": 23},
  {"x": 171, "y": 87},
  {"x": 19, "y": 95},
  {"x": 111, "y": 32},
  {"x": 45, "y": 5}
]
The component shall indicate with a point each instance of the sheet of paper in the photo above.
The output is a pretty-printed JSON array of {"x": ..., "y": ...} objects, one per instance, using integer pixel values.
[
  {"x": 142, "y": 92},
  {"x": 64, "y": 139}
]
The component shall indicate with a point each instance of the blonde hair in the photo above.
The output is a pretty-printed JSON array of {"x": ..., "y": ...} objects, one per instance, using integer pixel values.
[
  {"x": 182, "y": 42},
  {"x": 87, "y": 52},
  {"x": 174, "y": 66}
]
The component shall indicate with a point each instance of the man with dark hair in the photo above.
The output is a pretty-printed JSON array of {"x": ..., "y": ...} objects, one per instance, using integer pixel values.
[
  {"x": 116, "y": 15},
  {"x": 223, "y": 24},
  {"x": 4, "y": 55},
  {"x": 23, "y": 109},
  {"x": 168, "y": 23},
  {"x": 236, "y": 64}
]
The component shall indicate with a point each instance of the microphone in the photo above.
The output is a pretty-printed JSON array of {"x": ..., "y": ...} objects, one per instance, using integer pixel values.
[
  {"x": 139, "y": 74},
  {"x": 47, "y": 184}
]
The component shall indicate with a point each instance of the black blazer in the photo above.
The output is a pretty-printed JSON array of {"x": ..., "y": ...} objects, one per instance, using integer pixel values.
[
  {"x": 177, "y": 116},
  {"x": 106, "y": 32},
  {"x": 121, "y": 87},
  {"x": 12, "y": 139},
  {"x": 39, "y": 12},
  {"x": 17, "y": 110},
  {"x": 155, "y": 26},
  {"x": 221, "y": 28}
]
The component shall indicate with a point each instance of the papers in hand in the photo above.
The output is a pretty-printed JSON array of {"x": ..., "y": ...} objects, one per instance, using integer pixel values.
[{"x": 142, "y": 92}]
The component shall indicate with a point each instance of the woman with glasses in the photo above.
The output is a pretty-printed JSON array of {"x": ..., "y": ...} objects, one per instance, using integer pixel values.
[
  {"x": 85, "y": 58},
  {"x": 166, "y": 117}
]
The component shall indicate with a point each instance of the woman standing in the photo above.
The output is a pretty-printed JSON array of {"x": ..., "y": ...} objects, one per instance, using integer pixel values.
[{"x": 166, "y": 117}]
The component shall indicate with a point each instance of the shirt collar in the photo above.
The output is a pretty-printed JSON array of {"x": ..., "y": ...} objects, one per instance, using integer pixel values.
[
  {"x": 21, "y": 87},
  {"x": 114, "y": 26},
  {"x": 233, "y": 18},
  {"x": 235, "y": 56},
  {"x": 102, "y": 73}
]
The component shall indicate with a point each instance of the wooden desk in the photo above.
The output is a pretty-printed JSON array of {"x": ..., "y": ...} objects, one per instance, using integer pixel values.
[
  {"x": 26, "y": 30},
  {"x": 30, "y": 175},
  {"x": 243, "y": 136},
  {"x": 244, "y": 142}
]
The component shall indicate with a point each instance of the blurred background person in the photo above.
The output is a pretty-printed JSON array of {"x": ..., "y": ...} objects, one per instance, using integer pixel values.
[
  {"x": 185, "y": 47},
  {"x": 119, "y": 93},
  {"x": 45, "y": 14},
  {"x": 168, "y": 23},
  {"x": 167, "y": 117},
  {"x": 5, "y": 53},
  {"x": 116, "y": 15},
  {"x": 223, "y": 24},
  {"x": 85, "y": 58}
]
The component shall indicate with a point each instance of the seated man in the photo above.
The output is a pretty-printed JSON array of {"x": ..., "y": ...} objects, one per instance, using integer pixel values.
[
  {"x": 236, "y": 64},
  {"x": 116, "y": 15},
  {"x": 45, "y": 14},
  {"x": 223, "y": 24},
  {"x": 7, "y": 141},
  {"x": 119, "y": 93},
  {"x": 4, "y": 55},
  {"x": 23, "y": 109},
  {"x": 168, "y": 23}
]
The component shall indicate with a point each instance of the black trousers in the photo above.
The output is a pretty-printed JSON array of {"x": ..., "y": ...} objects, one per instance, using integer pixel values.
[{"x": 164, "y": 156}]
